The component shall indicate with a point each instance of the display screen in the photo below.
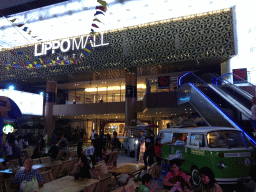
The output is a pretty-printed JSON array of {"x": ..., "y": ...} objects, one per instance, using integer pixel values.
[
  {"x": 11, "y": 3},
  {"x": 29, "y": 103}
]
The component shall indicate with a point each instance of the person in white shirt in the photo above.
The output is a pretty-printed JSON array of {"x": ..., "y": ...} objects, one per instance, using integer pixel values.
[{"x": 92, "y": 136}]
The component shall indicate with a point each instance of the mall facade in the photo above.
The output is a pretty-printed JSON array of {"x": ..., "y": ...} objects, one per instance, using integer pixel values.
[{"x": 130, "y": 74}]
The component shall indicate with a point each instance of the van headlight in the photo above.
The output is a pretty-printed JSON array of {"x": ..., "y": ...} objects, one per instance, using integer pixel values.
[
  {"x": 221, "y": 165},
  {"x": 136, "y": 142}
]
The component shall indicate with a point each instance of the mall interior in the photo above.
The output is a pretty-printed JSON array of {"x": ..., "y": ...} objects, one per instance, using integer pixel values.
[{"x": 132, "y": 68}]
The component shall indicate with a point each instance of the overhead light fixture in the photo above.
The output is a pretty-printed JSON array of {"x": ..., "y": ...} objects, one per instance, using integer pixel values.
[{"x": 112, "y": 88}]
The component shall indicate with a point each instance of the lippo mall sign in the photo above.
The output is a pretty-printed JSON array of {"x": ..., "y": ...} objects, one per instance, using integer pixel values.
[{"x": 66, "y": 45}]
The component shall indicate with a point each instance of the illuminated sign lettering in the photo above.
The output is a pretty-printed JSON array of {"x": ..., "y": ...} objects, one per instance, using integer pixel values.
[{"x": 66, "y": 45}]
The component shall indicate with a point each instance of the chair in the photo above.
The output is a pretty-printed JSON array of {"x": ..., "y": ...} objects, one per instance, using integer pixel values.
[
  {"x": 113, "y": 157},
  {"x": 47, "y": 176},
  {"x": 60, "y": 154},
  {"x": 72, "y": 166},
  {"x": 64, "y": 168},
  {"x": 95, "y": 173},
  {"x": 42, "y": 169},
  {"x": 120, "y": 189},
  {"x": 152, "y": 170},
  {"x": 7, "y": 184},
  {"x": 102, "y": 165},
  {"x": 36, "y": 161},
  {"x": 55, "y": 170},
  {"x": 45, "y": 160},
  {"x": 1, "y": 187},
  {"x": 103, "y": 184},
  {"x": 90, "y": 188},
  {"x": 73, "y": 154},
  {"x": 130, "y": 187}
]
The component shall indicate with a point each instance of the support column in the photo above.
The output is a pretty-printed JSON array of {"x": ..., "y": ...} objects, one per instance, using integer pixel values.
[
  {"x": 131, "y": 97},
  {"x": 50, "y": 100}
]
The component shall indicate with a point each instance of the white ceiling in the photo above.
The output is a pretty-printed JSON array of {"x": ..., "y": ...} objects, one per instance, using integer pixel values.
[{"x": 74, "y": 17}]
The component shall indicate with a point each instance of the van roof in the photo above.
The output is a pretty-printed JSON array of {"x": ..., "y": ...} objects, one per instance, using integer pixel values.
[{"x": 197, "y": 129}]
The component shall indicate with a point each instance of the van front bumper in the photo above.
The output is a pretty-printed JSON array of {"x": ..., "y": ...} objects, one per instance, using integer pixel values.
[{"x": 233, "y": 180}]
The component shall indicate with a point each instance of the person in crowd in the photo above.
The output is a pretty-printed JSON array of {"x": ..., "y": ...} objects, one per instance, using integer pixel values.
[
  {"x": 253, "y": 109},
  {"x": 79, "y": 149},
  {"x": 37, "y": 152},
  {"x": 82, "y": 168},
  {"x": 108, "y": 140},
  {"x": 63, "y": 145},
  {"x": 89, "y": 153},
  {"x": 15, "y": 151},
  {"x": 176, "y": 178},
  {"x": 27, "y": 175},
  {"x": 146, "y": 184},
  {"x": 149, "y": 149},
  {"x": 115, "y": 144},
  {"x": 20, "y": 142},
  {"x": 158, "y": 155},
  {"x": 208, "y": 182},
  {"x": 93, "y": 136},
  {"x": 53, "y": 152},
  {"x": 54, "y": 137},
  {"x": 98, "y": 148}
]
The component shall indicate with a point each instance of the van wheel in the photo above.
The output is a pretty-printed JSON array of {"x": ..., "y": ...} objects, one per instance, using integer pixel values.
[{"x": 196, "y": 179}]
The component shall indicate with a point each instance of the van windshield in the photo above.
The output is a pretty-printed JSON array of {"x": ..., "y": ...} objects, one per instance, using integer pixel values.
[{"x": 227, "y": 139}]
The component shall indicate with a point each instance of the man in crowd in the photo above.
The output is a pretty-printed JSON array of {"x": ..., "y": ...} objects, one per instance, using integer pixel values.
[
  {"x": 98, "y": 147},
  {"x": 63, "y": 144},
  {"x": 53, "y": 152},
  {"x": 116, "y": 144},
  {"x": 93, "y": 136},
  {"x": 27, "y": 175},
  {"x": 149, "y": 148}
]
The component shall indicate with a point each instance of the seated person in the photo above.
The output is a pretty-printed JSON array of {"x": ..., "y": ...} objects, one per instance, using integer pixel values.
[
  {"x": 208, "y": 182},
  {"x": 53, "y": 152},
  {"x": 27, "y": 175},
  {"x": 176, "y": 178},
  {"x": 82, "y": 168},
  {"x": 16, "y": 152},
  {"x": 37, "y": 152},
  {"x": 146, "y": 184}
]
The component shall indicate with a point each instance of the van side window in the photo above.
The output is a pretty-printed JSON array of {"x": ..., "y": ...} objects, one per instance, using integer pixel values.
[
  {"x": 180, "y": 137},
  {"x": 166, "y": 137},
  {"x": 197, "y": 138}
]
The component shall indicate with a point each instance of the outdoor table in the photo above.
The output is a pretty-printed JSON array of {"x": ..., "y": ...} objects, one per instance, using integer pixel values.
[
  {"x": 130, "y": 170},
  {"x": 36, "y": 166},
  {"x": 67, "y": 184}
]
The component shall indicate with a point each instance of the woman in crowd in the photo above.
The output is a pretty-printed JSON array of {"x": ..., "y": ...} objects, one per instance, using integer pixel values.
[
  {"x": 82, "y": 168},
  {"x": 176, "y": 178},
  {"x": 208, "y": 182},
  {"x": 79, "y": 149}
]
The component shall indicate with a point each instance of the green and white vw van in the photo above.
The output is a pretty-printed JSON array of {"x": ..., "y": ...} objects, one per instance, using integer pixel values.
[{"x": 226, "y": 151}]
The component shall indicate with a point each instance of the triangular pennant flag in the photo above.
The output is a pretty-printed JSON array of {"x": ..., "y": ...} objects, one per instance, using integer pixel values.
[
  {"x": 30, "y": 65},
  {"x": 94, "y": 25},
  {"x": 12, "y": 52},
  {"x": 41, "y": 60},
  {"x": 16, "y": 66},
  {"x": 25, "y": 29},
  {"x": 103, "y": 3},
  {"x": 34, "y": 36},
  {"x": 97, "y": 20},
  {"x": 92, "y": 30},
  {"x": 98, "y": 12},
  {"x": 29, "y": 32},
  {"x": 13, "y": 20},
  {"x": 20, "y": 25},
  {"x": 87, "y": 50},
  {"x": 101, "y": 8},
  {"x": 38, "y": 66},
  {"x": 7, "y": 68},
  {"x": 20, "y": 53},
  {"x": 86, "y": 54},
  {"x": 89, "y": 47}
]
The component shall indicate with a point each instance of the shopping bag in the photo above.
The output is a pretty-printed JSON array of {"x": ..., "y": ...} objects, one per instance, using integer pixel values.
[{"x": 30, "y": 186}]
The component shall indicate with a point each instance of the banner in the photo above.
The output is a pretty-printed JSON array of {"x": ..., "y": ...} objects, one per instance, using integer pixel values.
[
  {"x": 240, "y": 75},
  {"x": 164, "y": 82}
]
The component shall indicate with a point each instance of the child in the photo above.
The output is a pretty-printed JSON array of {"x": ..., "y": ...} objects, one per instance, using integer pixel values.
[{"x": 146, "y": 183}]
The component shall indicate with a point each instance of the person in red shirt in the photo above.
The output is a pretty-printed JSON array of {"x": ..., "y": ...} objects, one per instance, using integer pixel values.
[{"x": 176, "y": 178}]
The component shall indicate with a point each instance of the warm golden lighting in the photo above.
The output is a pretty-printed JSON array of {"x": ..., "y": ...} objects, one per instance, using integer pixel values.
[{"x": 112, "y": 88}]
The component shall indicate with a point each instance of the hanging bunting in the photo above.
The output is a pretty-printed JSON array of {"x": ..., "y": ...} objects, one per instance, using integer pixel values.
[
  {"x": 94, "y": 25},
  {"x": 12, "y": 52},
  {"x": 98, "y": 13},
  {"x": 20, "y": 25},
  {"x": 13, "y": 20},
  {"x": 101, "y": 8},
  {"x": 97, "y": 20},
  {"x": 25, "y": 29},
  {"x": 103, "y": 3}
]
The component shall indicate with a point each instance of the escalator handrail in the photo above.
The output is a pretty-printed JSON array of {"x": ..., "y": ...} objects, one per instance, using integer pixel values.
[
  {"x": 237, "y": 88},
  {"x": 190, "y": 73},
  {"x": 244, "y": 81}
]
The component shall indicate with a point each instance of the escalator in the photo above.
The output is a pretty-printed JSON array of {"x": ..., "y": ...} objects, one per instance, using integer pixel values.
[{"x": 222, "y": 105}]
